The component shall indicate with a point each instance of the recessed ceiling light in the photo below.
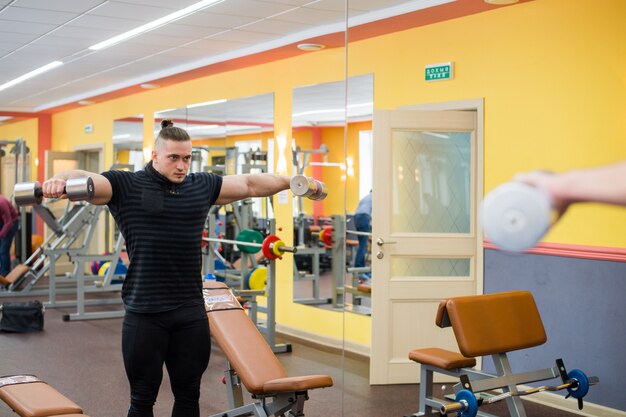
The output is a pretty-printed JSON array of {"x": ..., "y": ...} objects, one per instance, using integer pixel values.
[
  {"x": 501, "y": 2},
  {"x": 85, "y": 102},
  {"x": 311, "y": 46},
  {"x": 149, "y": 86}
]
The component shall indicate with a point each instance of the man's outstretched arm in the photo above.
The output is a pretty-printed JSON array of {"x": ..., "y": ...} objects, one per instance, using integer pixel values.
[
  {"x": 238, "y": 187},
  {"x": 53, "y": 187}
]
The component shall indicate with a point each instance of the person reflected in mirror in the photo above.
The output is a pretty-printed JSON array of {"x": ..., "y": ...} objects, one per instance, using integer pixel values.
[
  {"x": 9, "y": 223},
  {"x": 363, "y": 223}
]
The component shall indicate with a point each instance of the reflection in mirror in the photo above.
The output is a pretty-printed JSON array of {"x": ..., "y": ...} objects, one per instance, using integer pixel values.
[
  {"x": 128, "y": 143},
  {"x": 319, "y": 131}
]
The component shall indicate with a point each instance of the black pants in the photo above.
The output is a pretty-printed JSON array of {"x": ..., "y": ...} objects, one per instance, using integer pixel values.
[{"x": 178, "y": 338}]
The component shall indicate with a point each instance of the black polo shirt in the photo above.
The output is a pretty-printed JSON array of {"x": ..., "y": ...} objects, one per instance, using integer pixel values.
[{"x": 162, "y": 224}]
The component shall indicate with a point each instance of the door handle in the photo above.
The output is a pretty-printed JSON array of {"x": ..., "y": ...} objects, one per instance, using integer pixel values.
[{"x": 381, "y": 242}]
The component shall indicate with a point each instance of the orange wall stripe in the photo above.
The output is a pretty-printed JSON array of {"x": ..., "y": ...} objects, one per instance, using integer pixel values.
[{"x": 598, "y": 253}]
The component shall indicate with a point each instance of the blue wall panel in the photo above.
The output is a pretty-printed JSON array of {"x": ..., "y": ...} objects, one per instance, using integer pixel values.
[{"x": 583, "y": 307}]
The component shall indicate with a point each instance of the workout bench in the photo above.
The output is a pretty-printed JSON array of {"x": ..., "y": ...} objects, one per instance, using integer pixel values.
[
  {"x": 28, "y": 396},
  {"x": 491, "y": 324},
  {"x": 251, "y": 361}
]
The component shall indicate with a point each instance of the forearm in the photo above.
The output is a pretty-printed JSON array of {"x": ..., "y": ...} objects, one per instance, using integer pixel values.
[
  {"x": 55, "y": 186},
  {"x": 602, "y": 185},
  {"x": 72, "y": 173}
]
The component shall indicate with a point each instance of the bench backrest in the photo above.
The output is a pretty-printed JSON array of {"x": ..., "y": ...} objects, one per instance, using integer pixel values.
[
  {"x": 493, "y": 323},
  {"x": 244, "y": 346}
]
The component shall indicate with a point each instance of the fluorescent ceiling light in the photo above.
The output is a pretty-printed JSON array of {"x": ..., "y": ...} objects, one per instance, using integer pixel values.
[
  {"x": 154, "y": 24},
  {"x": 202, "y": 127},
  {"x": 206, "y": 103},
  {"x": 31, "y": 74},
  {"x": 165, "y": 111},
  {"x": 306, "y": 113},
  {"x": 351, "y": 106},
  {"x": 233, "y": 128},
  {"x": 123, "y": 136}
]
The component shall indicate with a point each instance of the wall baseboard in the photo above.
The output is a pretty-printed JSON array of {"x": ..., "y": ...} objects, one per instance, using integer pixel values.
[
  {"x": 571, "y": 405},
  {"x": 326, "y": 343}
]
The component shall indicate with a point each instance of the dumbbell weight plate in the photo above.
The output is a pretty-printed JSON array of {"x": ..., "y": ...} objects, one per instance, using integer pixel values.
[
  {"x": 27, "y": 193},
  {"x": 302, "y": 186},
  {"x": 583, "y": 383},
  {"x": 321, "y": 191},
  {"x": 79, "y": 189},
  {"x": 516, "y": 216},
  {"x": 469, "y": 398}
]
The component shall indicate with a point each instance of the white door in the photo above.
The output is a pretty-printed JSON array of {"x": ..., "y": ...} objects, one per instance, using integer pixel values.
[{"x": 426, "y": 246}]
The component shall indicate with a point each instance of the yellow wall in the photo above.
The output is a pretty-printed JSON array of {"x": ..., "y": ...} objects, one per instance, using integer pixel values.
[
  {"x": 27, "y": 130},
  {"x": 352, "y": 151},
  {"x": 553, "y": 77},
  {"x": 551, "y": 72}
]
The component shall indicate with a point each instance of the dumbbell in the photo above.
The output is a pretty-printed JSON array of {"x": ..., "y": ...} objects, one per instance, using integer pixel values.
[
  {"x": 515, "y": 216},
  {"x": 77, "y": 189},
  {"x": 311, "y": 188}
]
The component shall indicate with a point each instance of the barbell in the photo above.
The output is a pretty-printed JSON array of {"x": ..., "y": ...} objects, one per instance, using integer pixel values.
[
  {"x": 77, "y": 189},
  {"x": 466, "y": 404},
  {"x": 252, "y": 241}
]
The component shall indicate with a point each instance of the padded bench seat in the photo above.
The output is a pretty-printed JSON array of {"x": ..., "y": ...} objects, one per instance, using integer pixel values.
[
  {"x": 364, "y": 288},
  {"x": 35, "y": 398},
  {"x": 14, "y": 275},
  {"x": 441, "y": 358}
]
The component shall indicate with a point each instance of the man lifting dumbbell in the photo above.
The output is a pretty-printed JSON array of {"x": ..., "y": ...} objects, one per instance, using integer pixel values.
[{"x": 161, "y": 212}]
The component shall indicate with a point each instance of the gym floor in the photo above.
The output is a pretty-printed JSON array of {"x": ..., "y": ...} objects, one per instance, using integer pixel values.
[{"x": 83, "y": 361}]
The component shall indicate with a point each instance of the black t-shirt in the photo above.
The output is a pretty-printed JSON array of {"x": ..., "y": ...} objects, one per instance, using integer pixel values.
[{"x": 162, "y": 224}]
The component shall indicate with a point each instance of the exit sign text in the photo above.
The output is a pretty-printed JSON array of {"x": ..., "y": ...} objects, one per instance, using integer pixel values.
[{"x": 438, "y": 72}]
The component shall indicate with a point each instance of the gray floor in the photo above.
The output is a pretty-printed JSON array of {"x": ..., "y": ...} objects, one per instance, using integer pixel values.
[{"x": 83, "y": 361}]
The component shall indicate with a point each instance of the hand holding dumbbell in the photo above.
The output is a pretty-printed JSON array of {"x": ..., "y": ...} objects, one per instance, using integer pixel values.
[
  {"x": 76, "y": 189},
  {"x": 311, "y": 188}
]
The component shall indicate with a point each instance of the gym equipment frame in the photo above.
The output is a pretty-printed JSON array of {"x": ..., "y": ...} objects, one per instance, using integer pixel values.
[{"x": 490, "y": 324}]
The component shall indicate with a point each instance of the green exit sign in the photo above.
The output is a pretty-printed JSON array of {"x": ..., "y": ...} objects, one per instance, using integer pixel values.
[{"x": 438, "y": 72}]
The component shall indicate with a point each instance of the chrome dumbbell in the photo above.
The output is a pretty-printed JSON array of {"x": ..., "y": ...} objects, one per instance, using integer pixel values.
[
  {"x": 311, "y": 188},
  {"x": 77, "y": 189},
  {"x": 515, "y": 216}
]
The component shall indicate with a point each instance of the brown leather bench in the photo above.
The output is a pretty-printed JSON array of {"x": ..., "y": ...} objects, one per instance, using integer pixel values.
[
  {"x": 490, "y": 324},
  {"x": 252, "y": 361},
  {"x": 30, "y": 397}
]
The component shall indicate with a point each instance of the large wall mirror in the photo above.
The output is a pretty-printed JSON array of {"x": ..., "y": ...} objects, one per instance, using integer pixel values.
[
  {"x": 128, "y": 142},
  {"x": 230, "y": 137},
  {"x": 338, "y": 153}
]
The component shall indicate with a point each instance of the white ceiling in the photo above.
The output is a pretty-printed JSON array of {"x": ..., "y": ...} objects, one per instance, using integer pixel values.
[{"x": 34, "y": 33}]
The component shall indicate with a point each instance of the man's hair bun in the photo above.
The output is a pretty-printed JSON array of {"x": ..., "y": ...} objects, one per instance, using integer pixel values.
[{"x": 166, "y": 123}]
